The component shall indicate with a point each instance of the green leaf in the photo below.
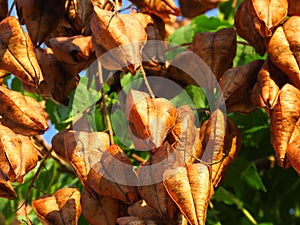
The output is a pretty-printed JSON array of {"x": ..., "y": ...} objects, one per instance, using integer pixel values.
[
  {"x": 192, "y": 96},
  {"x": 182, "y": 35},
  {"x": 265, "y": 224},
  {"x": 209, "y": 24},
  {"x": 119, "y": 125},
  {"x": 82, "y": 99},
  {"x": 199, "y": 24},
  {"x": 129, "y": 81},
  {"x": 183, "y": 99},
  {"x": 16, "y": 85},
  {"x": 222, "y": 195},
  {"x": 251, "y": 176},
  {"x": 245, "y": 53},
  {"x": 198, "y": 96},
  {"x": 7, "y": 79},
  {"x": 227, "y": 10},
  {"x": 218, "y": 223}
]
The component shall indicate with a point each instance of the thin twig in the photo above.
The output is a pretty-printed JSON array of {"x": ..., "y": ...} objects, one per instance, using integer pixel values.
[
  {"x": 115, "y": 7},
  {"x": 32, "y": 185},
  {"x": 46, "y": 148},
  {"x": 201, "y": 110},
  {"x": 40, "y": 140},
  {"x": 101, "y": 81},
  {"x": 138, "y": 158},
  {"x": 208, "y": 163},
  {"x": 126, "y": 8},
  {"x": 11, "y": 8},
  {"x": 146, "y": 82},
  {"x": 178, "y": 46},
  {"x": 243, "y": 43},
  {"x": 249, "y": 216}
]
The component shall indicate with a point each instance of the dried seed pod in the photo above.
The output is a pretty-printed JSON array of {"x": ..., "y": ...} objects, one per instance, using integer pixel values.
[
  {"x": 153, "y": 52},
  {"x": 130, "y": 220},
  {"x": 3, "y": 9},
  {"x": 188, "y": 68},
  {"x": 210, "y": 48},
  {"x": 184, "y": 137},
  {"x": 269, "y": 82},
  {"x": 192, "y": 8},
  {"x": 236, "y": 85},
  {"x": 245, "y": 28},
  {"x": 293, "y": 8},
  {"x": 212, "y": 136},
  {"x": 150, "y": 178},
  {"x": 161, "y": 8},
  {"x": 17, "y": 52},
  {"x": 221, "y": 140},
  {"x": 6, "y": 190},
  {"x": 114, "y": 33},
  {"x": 74, "y": 53},
  {"x": 61, "y": 208},
  {"x": 284, "y": 121},
  {"x": 21, "y": 113},
  {"x": 40, "y": 17},
  {"x": 142, "y": 210},
  {"x": 58, "y": 83},
  {"x": 293, "y": 155},
  {"x": 111, "y": 174},
  {"x": 10, "y": 153},
  {"x": 267, "y": 15},
  {"x": 79, "y": 11},
  {"x": 97, "y": 208},
  {"x": 150, "y": 119},
  {"x": 81, "y": 150},
  {"x": 64, "y": 28},
  {"x": 17, "y": 155},
  {"x": 283, "y": 49},
  {"x": 29, "y": 156},
  {"x": 58, "y": 144},
  {"x": 84, "y": 150},
  {"x": 190, "y": 195}
]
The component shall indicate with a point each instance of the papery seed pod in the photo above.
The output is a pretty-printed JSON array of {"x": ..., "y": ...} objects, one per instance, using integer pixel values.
[
  {"x": 245, "y": 28},
  {"x": 150, "y": 119},
  {"x": 21, "y": 113},
  {"x": 3, "y": 9},
  {"x": 97, "y": 208},
  {"x": 269, "y": 82},
  {"x": 40, "y": 17},
  {"x": 192, "y": 8},
  {"x": 6, "y": 190},
  {"x": 61, "y": 208},
  {"x": 237, "y": 84},
  {"x": 150, "y": 176},
  {"x": 190, "y": 195},
  {"x": 284, "y": 121},
  {"x": 113, "y": 32},
  {"x": 161, "y": 8},
  {"x": 74, "y": 53},
  {"x": 184, "y": 138},
  {"x": 17, "y": 52},
  {"x": 267, "y": 15},
  {"x": 210, "y": 48},
  {"x": 111, "y": 174},
  {"x": 283, "y": 49}
]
